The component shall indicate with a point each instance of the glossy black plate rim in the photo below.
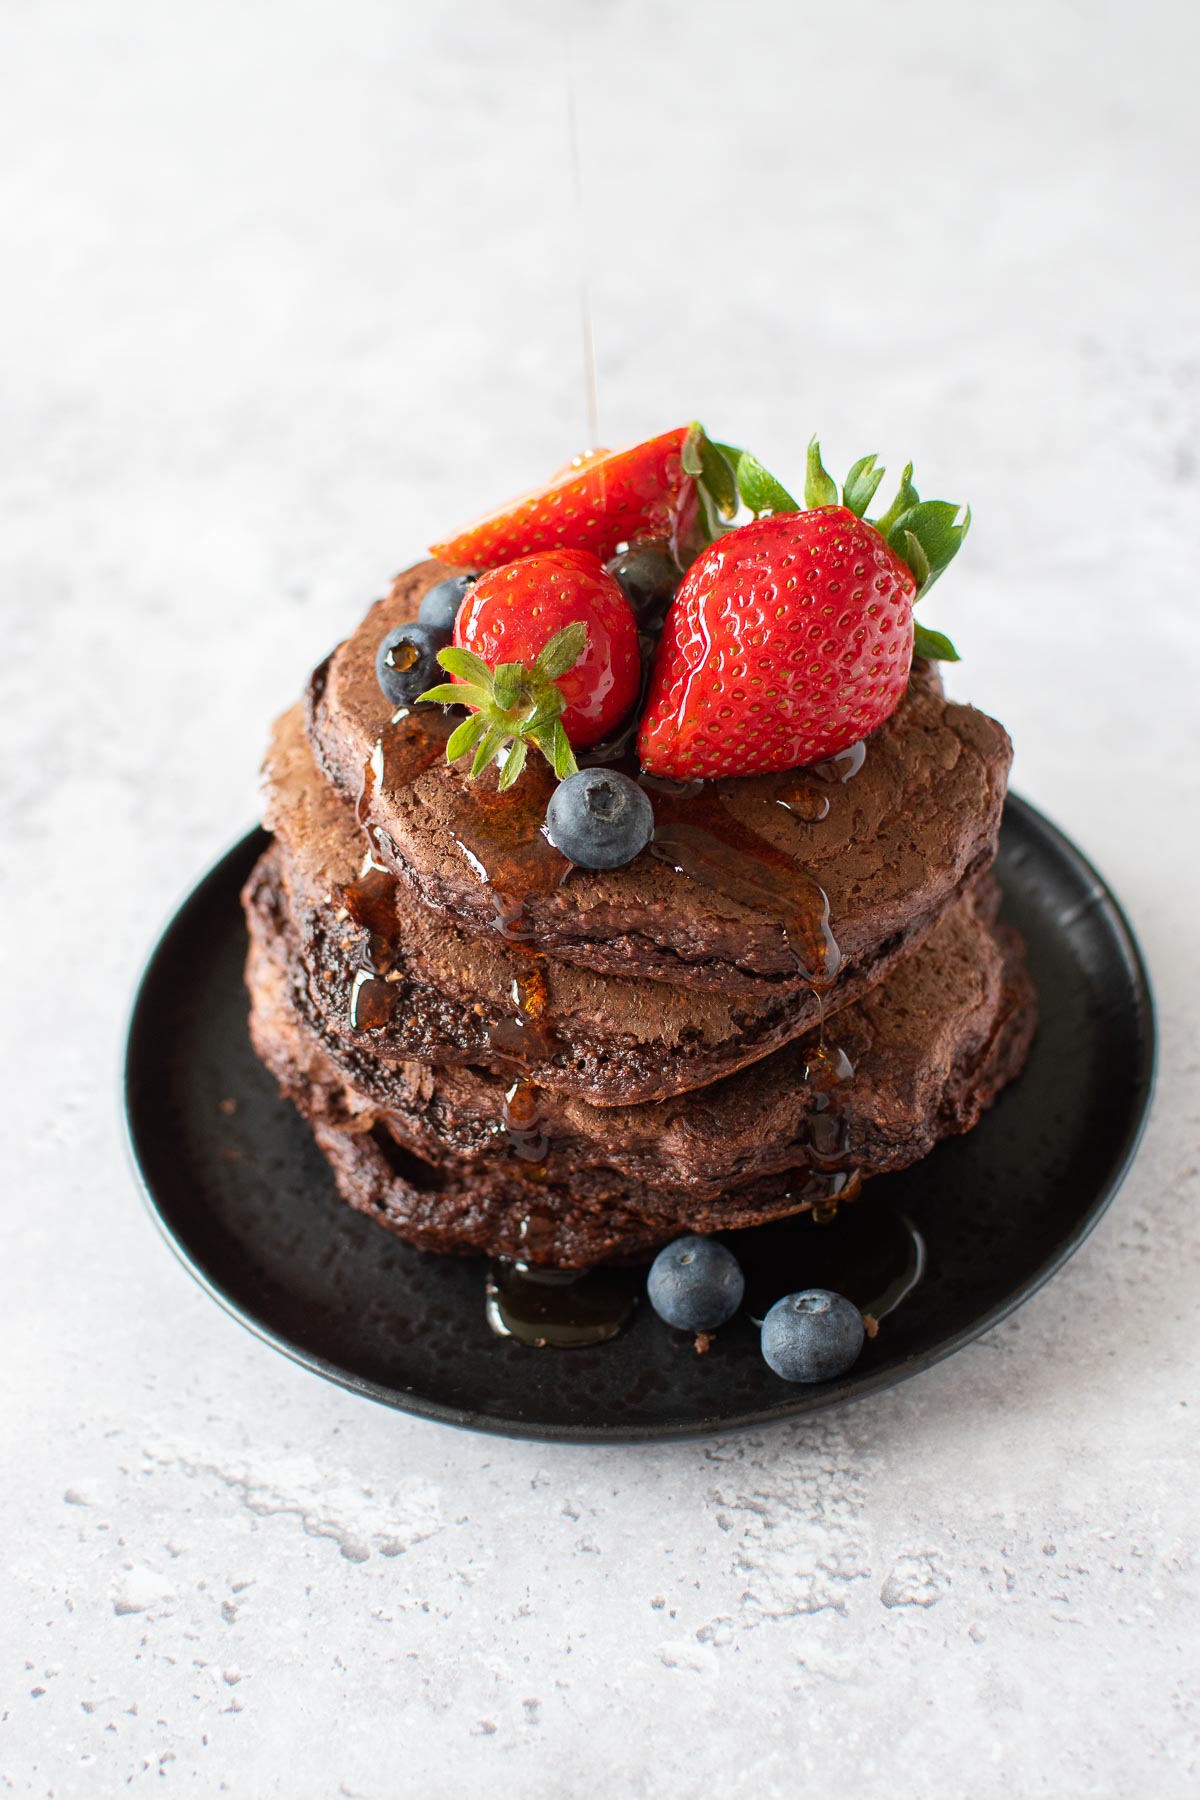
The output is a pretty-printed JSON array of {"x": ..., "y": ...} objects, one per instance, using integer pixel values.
[{"x": 806, "y": 1400}]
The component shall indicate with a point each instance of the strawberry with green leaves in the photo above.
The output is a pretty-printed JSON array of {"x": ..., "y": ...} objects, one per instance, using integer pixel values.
[
  {"x": 792, "y": 637},
  {"x": 546, "y": 653}
]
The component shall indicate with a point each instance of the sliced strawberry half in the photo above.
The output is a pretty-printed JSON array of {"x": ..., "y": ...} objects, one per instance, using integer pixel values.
[{"x": 600, "y": 500}]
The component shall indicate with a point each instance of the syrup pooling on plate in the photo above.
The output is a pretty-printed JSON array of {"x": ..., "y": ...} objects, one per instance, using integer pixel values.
[
  {"x": 870, "y": 1253},
  {"x": 553, "y": 1308}
]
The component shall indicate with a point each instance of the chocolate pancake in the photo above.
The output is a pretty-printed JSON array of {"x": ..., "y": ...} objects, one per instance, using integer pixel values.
[
  {"x": 915, "y": 1059},
  {"x": 403, "y": 983},
  {"x": 783, "y": 876}
]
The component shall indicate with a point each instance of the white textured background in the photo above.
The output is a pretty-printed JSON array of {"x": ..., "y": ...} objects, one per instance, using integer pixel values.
[{"x": 287, "y": 287}]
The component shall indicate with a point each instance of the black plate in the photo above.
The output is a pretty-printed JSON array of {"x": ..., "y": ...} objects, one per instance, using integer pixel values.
[{"x": 247, "y": 1202}]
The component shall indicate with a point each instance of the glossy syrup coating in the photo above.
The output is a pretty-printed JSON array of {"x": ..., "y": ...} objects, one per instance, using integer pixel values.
[
  {"x": 787, "y": 640},
  {"x": 513, "y": 612}
]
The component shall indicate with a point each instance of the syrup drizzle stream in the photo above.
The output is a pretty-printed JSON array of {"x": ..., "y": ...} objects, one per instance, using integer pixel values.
[
  {"x": 697, "y": 836},
  {"x": 591, "y": 387}
]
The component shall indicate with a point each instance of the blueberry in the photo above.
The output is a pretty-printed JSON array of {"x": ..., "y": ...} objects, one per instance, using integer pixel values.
[
  {"x": 695, "y": 1284},
  {"x": 440, "y": 605},
  {"x": 649, "y": 575},
  {"x": 812, "y": 1336},
  {"x": 407, "y": 663},
  {"x": 599, "y": 819}
]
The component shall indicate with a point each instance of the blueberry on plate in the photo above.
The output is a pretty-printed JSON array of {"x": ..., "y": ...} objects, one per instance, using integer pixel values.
[
  {"x": 406, "y": 663},
  {"x": 599, "y": 818},
  {"x": 440, "y": 604},
  {"x": 812, "y": 1336},
  {"x": 649, "y": 575},
  {"x": 695, "y": 1284}
]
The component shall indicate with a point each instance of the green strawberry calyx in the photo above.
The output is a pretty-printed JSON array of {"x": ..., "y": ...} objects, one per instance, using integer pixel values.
[
  {"x": 517, "y": 704},
  {"x": 713, "y": 467},
  {"x": 925, "y": 534}
]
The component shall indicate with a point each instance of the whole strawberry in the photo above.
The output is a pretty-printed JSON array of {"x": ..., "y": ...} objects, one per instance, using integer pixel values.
[
  {"x": 606, "y": 498},
  {"x": 545, "y": 652},
  {"x": 792, "y": 637}
]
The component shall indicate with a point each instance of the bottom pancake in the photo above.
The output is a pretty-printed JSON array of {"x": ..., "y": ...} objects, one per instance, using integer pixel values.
[{"x": 454, "y": 1160}]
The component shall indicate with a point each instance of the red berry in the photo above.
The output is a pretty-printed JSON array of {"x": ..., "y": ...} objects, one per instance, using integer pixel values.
[
  {"x": 511, "y": 613},
  {"x": 606, "y": 498},
  {"x": 787, "y": 640}
]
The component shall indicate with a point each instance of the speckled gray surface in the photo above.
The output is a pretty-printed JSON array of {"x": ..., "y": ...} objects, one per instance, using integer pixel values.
[{"x": 288, "y": 288}]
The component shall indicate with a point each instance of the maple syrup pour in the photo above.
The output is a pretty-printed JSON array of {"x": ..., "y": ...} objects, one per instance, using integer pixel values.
[
  {"x": 803, "y": 801},
  {"x": 370, "y": 903},
  {"x": 521, "y": 1117},
  {"x": 826, "y": 1068},
  {"x": 869, "y": 1252},
  {"x": 504, "y": 846},
  {"x": 370, "y": 900},
  {"x": 556, "y": 1309},
  {"x": 844, "y": 766},
  {"x": 697, "y": 836},
  {"x": 802, "y": 795},
  {"x": 528, "y": 1035},
  {"x": 413, "y": 740},
  {"x": 372, "y": 1002}
]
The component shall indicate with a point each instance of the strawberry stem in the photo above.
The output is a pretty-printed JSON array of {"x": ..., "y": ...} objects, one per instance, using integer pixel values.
[
  {"x": 713, "y": 469},
  {"x": 820, "y": 489},
  {"x": 924, "y": 534},
  {"x": 516, "y": 704}
]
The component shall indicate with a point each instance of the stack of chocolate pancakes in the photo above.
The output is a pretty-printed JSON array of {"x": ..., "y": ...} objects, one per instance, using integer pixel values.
[{"x": 800, "y": 984}]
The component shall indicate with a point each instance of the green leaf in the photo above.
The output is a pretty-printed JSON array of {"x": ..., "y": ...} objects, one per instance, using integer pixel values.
[
  {"x": 563, "y": 650},
  {"x": 514, "y": 762},
  {"x": 692, "y": 454},
  {"x": 551, "y": 740},
  {"x": 760, "y": 490},
  {"x": 492, "y": 740},
  {"x": 718, "y": 479},
  {"x": 906, "y": 497},
  {"x": 466, "y": 665},
  {"x": 934, "y": 525},
  {"x": 932, "y": 645},
  {"x": 712, "y": 468},
  {"x": 564, "y": 756},
  {"x": 820, "y": 489},
  {"x": 464, "y": 737},
  {"x": 548, "y": 708},
  {"x": 457, "y": 693},
  {"x": 910, "y": 550},
  {"x": 506, "y": 685},
  {"x": 861, "y": 483}
]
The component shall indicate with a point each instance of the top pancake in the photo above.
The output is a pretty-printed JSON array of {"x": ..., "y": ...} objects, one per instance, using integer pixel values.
[{"x": 746, "y": 881}]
